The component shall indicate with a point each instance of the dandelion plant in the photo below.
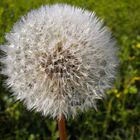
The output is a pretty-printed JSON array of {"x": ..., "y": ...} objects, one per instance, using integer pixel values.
[{"x": 59, "y": 60}]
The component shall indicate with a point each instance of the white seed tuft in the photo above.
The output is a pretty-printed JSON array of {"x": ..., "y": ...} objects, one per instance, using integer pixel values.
[{"x": 59, "y": 59}]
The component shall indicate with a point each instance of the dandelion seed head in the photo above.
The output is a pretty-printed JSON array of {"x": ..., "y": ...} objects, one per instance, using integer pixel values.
[{"x": 59, "y": 59}]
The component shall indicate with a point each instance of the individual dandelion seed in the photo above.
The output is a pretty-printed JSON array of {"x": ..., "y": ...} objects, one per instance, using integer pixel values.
[{"x": 59, "y": 59}]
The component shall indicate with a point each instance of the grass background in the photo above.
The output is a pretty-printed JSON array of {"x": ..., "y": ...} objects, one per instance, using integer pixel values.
[{"x": 118, "y": 117}]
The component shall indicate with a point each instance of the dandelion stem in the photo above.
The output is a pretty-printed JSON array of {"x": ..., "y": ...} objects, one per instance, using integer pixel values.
[{"x": 62, "y": 128}]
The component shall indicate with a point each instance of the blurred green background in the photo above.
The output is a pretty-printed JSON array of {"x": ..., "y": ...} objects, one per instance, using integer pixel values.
[{"x": 118, "y": 117}]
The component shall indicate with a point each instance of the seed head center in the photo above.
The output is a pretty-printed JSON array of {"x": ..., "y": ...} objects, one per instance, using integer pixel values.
[{"x": 60, "y": 63}]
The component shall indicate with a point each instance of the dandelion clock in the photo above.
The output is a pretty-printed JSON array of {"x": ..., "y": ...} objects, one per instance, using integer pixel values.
[{"x": 59, "y": 60}]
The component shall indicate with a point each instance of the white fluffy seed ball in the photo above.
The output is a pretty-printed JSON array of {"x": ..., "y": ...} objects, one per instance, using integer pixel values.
[{"x": 59, "y": 59}]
